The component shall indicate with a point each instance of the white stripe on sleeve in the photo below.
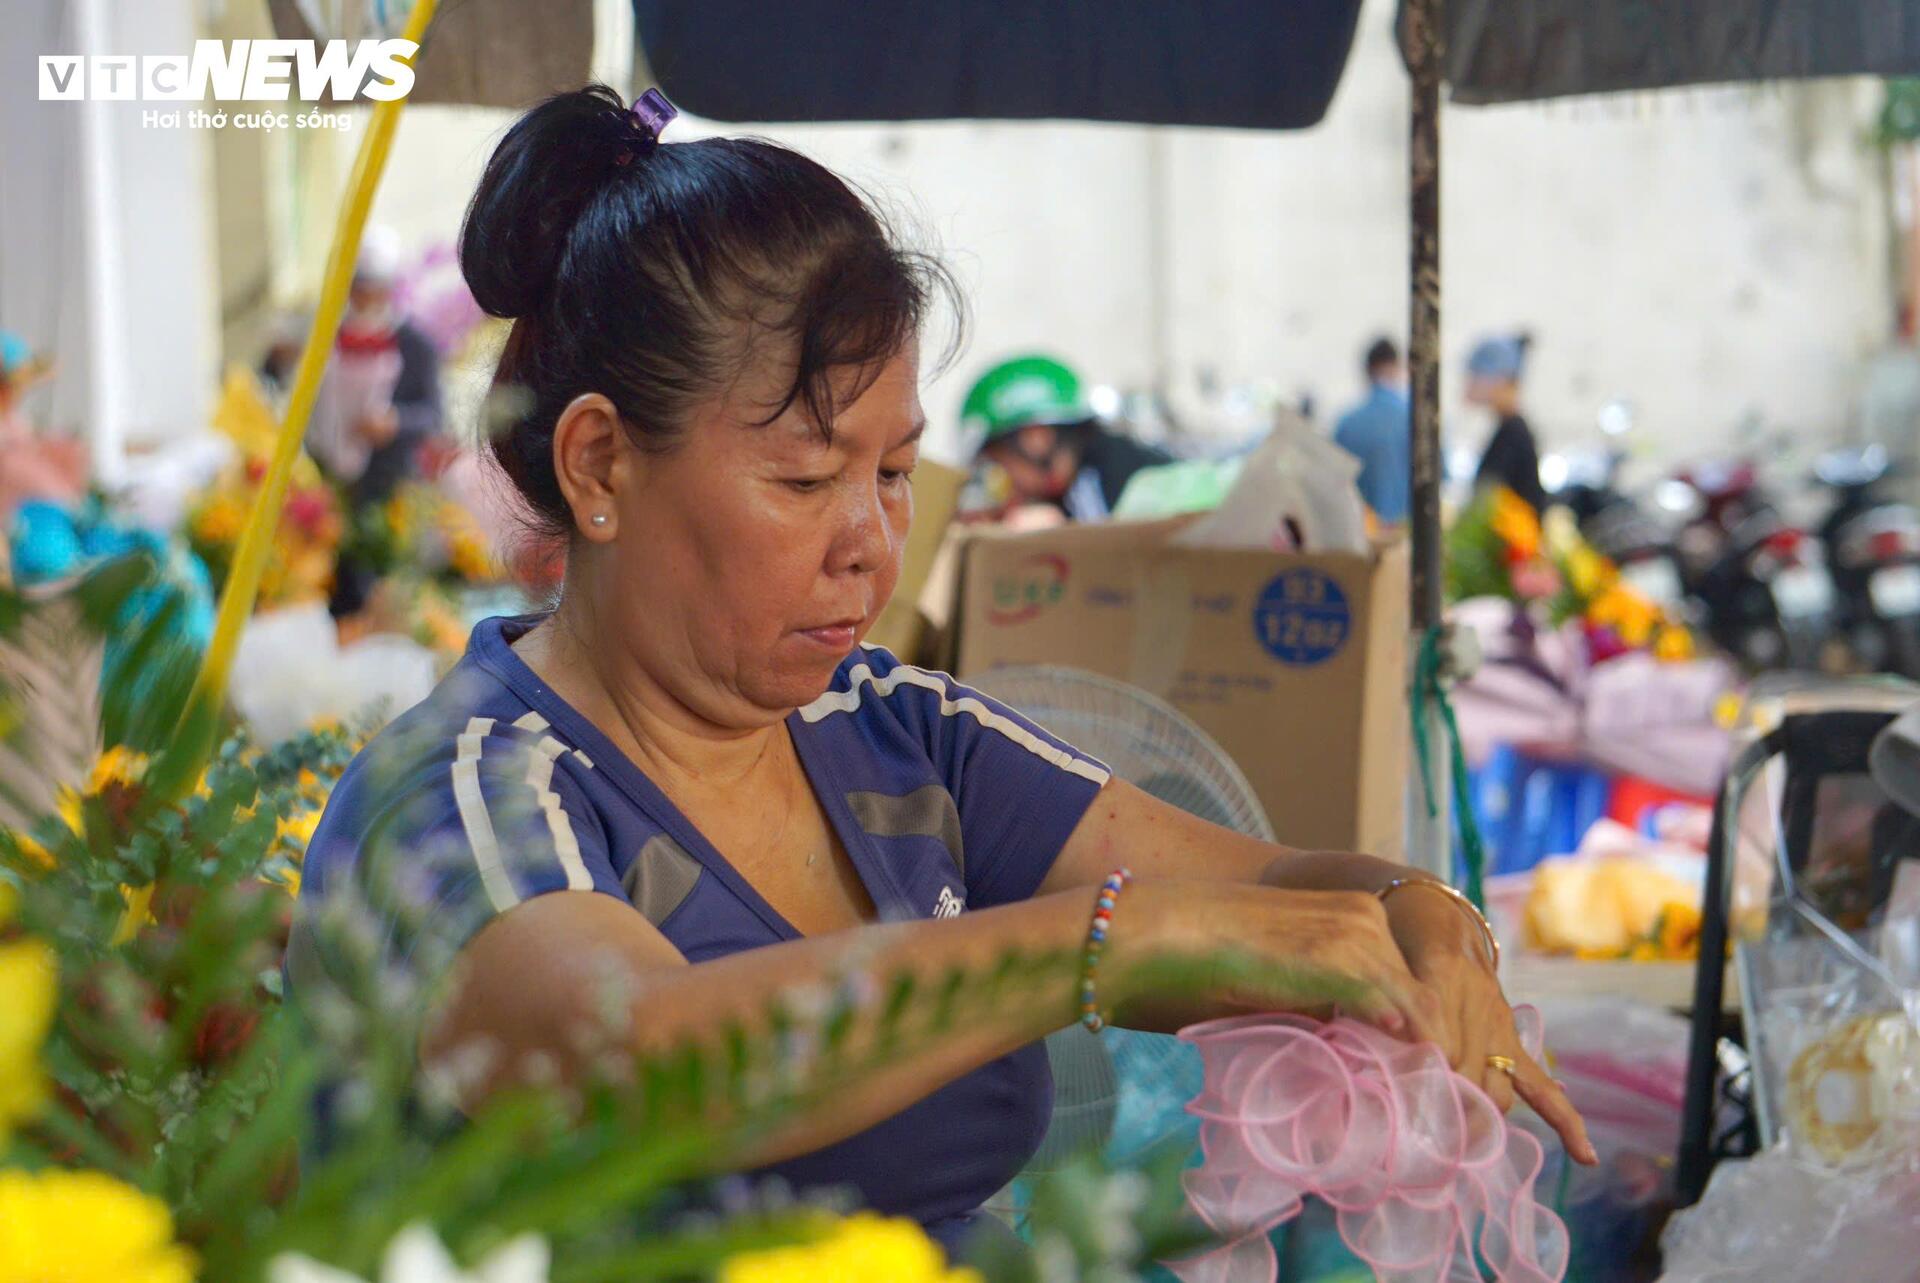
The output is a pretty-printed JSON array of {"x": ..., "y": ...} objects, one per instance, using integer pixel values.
[
  {"x": 565, "y": 844},
  {"x": 861, "y": 676},
  {"x": 474, "y": 818}
]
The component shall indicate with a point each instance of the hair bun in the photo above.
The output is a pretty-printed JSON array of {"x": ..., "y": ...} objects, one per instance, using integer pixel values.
[{"x": 550, "y": 165}]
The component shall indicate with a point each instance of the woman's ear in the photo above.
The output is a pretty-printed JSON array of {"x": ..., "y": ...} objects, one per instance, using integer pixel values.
[{"x": 593, "y": 464}]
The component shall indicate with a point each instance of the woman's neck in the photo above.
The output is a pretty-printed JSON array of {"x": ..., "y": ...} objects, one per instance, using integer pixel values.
[{"x": 673, "y": 744}]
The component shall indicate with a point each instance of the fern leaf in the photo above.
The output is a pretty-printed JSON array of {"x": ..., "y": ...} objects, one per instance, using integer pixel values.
[{"x": 50, "y": 671}]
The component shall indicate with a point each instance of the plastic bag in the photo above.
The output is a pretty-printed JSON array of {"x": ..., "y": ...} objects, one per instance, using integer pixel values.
[
  {"x": 1786, "y": 1220},
  {"x": 1297, "y": 493},
  {"x": 1189, "y": 485}
]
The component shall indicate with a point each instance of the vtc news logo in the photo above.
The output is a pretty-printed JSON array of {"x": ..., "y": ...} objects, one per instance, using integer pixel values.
[{"x": 237, "y": 71}]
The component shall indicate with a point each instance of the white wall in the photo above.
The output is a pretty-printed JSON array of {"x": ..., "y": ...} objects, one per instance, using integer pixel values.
[
  {"x": 1704, "y": 254},
  {"x": 106, "y": 258}
]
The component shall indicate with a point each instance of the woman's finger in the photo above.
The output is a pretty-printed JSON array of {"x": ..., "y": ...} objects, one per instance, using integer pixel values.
[
  {"x": 1550, "y": 1101},
  {"x": 1488, "y": 1042}
]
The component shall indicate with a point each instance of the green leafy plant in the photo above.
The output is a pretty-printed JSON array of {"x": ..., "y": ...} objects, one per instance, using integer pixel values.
[{"x": 179, "y": 1069}]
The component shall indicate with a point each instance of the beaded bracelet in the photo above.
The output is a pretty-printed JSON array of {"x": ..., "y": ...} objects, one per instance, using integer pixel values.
[{"x": 1096, "y": 940}]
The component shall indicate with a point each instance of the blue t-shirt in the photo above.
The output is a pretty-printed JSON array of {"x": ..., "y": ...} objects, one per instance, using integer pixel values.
[
  {"x": 493, "y": 790},
  {"x": 1379, "y": 433}
]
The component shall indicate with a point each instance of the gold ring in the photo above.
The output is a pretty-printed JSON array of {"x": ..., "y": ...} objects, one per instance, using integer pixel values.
[{"x": 1505, "y": 1064}]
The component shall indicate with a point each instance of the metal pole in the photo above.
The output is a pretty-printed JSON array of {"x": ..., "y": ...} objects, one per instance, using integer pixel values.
[
  {"x": 1421, "y": 33},
  {"x": 1423, "y": 44}
]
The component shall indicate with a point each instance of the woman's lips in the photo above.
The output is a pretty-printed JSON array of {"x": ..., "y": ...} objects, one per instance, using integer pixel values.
[{"x": 838, "y": 636}]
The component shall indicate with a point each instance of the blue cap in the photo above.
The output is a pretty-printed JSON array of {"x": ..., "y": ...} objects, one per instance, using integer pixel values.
[{"x": 1498, "y": 358}]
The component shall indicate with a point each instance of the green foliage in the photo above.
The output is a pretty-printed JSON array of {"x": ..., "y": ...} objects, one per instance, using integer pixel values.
[
  {"x": 1476, "y": 564},
  {"x": 180, "y": 1069},
  {"x": 1899, "y": 120},
  {"x": 1108, "y": 1222}
]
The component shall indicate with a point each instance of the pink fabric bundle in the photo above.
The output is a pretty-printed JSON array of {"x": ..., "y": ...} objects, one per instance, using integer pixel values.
[{"x": 1415, "y": 1159}]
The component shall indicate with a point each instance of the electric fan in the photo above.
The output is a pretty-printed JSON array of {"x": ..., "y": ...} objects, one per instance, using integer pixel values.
[{"x": 1125, "y": 1092}]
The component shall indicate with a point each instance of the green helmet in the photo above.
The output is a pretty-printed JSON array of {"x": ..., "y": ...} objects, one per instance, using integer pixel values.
[{"x": 1022, "y": 391}]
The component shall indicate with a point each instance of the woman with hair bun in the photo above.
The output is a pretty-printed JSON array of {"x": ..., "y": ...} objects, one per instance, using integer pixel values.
[{"x": 641, "y": 817}]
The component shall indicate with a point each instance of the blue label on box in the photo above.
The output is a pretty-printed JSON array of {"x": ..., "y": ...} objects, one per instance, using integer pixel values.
[{"x": 1301, "y": 617}]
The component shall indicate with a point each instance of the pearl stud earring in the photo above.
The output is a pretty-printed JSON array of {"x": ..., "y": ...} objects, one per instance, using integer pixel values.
[{"x": 598, "y": 518}]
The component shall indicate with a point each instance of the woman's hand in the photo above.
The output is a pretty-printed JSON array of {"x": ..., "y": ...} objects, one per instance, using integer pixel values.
[
  {"x": 1266, "y": 949},
  {"x": 1446, "y": 953}
]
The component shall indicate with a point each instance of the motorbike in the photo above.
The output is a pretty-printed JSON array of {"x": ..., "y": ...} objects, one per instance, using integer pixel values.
[
  {"x": 1873, "y": 551},
  {"x": 1761, "y": 581},
  {"x": 1767, "y": 595}
]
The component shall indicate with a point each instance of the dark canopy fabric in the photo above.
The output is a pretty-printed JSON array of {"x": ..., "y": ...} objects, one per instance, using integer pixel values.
[
  {"x": 1513, "y": 50},
  {"x": 1253, "y": 64}
]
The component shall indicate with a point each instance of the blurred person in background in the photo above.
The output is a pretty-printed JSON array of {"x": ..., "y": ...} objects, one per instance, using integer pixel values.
[
  {"x": 1044, "y": 455},
  {"x": 1512, "y": 457},
  {"x": 1377, "y": 433},
  {"x": 379, "y": 403}
]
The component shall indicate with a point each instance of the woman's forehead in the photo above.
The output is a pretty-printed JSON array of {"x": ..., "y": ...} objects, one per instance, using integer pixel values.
[{"x": 879, "y": 407}]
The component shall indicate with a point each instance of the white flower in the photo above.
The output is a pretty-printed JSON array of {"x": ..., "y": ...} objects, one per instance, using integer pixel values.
[{"x": 416, "y": 1255}]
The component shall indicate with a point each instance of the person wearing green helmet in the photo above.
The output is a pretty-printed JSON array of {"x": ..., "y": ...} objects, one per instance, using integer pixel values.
[{"x": 1042, "y": 445}]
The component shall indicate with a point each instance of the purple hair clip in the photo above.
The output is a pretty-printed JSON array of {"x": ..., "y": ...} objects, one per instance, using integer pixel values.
[{"x": 654, "y": 112}]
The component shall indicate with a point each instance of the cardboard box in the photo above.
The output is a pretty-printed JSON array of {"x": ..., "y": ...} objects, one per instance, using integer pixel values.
[
  {"x": 901, "y": 627},
  {"x": 1296, "y": 664}
]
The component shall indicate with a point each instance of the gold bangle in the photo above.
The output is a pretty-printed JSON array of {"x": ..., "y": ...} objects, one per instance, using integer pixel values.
[{"x": 1466, "y": 906}]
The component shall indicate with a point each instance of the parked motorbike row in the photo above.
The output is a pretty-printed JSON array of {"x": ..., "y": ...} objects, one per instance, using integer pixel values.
[{"x": 1838, "y": 592}]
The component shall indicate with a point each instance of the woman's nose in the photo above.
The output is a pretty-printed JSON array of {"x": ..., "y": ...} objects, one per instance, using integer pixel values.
[{"x": 866, "y": 536}]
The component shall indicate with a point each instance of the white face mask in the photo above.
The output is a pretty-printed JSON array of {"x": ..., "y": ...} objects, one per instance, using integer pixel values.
[{"x": 377, "y": 316}]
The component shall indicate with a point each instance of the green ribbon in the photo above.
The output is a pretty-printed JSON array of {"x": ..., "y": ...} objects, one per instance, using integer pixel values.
[{"x": 1430, "y": 693}]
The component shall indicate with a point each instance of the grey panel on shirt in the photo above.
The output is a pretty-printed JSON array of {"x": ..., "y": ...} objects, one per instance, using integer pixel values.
[
  {"x": 660, "y": 878},
  {"x": 926, "y": 812}
]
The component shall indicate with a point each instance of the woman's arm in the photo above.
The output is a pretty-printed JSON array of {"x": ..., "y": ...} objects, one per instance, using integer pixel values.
[
  {"x": 1126, "y": 826},
  {"x": 568, "y": 978},
  {"x": 1442, "y": 945}
]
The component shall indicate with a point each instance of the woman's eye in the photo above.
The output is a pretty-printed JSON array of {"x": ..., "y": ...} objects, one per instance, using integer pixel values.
[
  {"x": 896, "y": 476},
  {"x": 807, "y": 485}
]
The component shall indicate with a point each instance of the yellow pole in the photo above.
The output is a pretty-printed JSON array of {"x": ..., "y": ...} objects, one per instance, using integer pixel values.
[{"x": 256, "y": 541}]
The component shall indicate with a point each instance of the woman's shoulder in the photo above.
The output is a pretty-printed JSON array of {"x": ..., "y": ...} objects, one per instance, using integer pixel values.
[{"x": 470, "y": 719}]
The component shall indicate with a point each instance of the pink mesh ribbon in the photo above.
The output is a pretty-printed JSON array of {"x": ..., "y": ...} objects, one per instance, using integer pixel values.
[{"x": 1416, "y": 1161}]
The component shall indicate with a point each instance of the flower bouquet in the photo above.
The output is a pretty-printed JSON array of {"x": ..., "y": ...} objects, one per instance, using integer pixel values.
[
  {"x": 422, "y": 533},
  {"x": 307, "y": 538},
  {"x": 1499, "y": 547}
]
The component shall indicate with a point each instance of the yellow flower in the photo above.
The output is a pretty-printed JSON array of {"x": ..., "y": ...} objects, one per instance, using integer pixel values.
[
  {"x": 1515, "y": 521},
  {"x": 1673, "y": 642},
  {"x": 27, "y": 993},
  {"x": 297, "y": 830},
  {"x": 400, "y": 517},
  {"x": 288, "y": 877},
  {"x": 220, "y": 521},
  {"x": 1588, "y": 572},
  {"x": 863, "y": 1248},
  {"x": 1679, "y": 930},
  {"x": 118, "y": 765},
  {"x": 137, "y": 914},
  {"x": 33, "y": 850},
  {"x": 1629, "y": 614},
  {"x": 470, "y": 556},
  {"x": 85, "y": 1227}
]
